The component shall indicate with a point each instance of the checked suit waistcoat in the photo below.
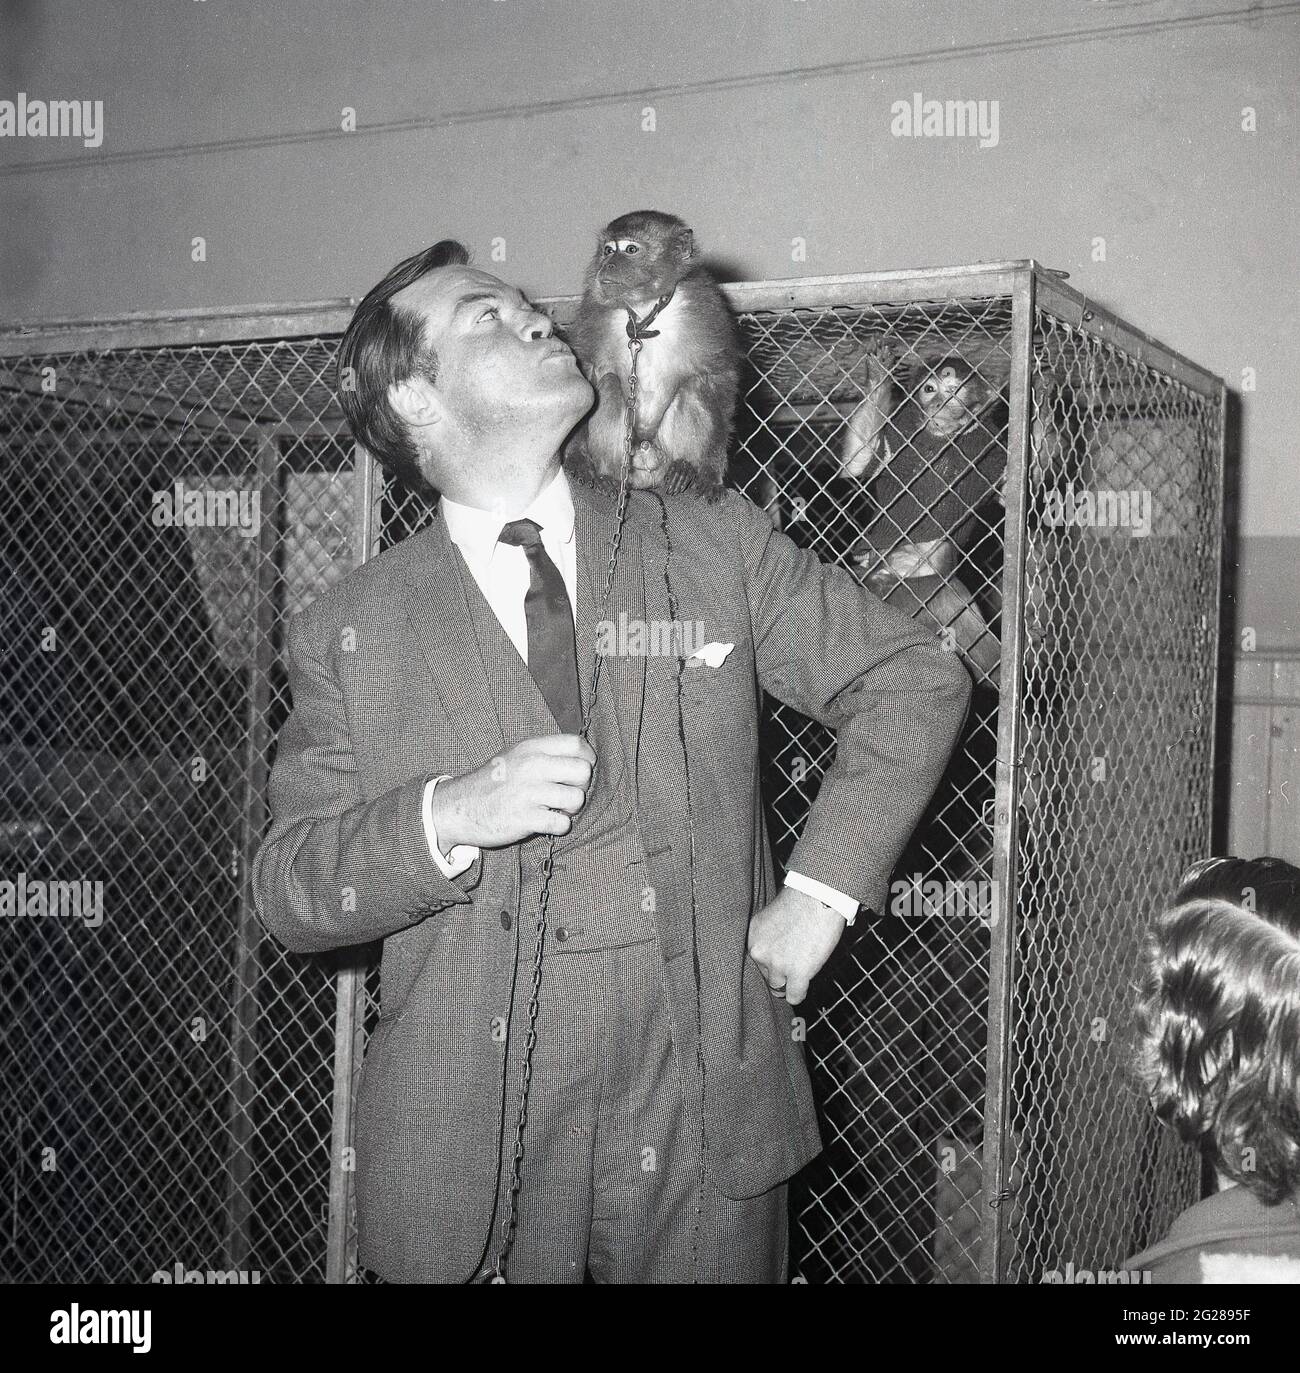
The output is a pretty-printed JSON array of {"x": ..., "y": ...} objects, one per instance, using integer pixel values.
[{"x": 596, "y": 898}]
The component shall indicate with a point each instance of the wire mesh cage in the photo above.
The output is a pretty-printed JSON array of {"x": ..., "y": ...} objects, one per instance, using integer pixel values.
[{"x": 1037, "y": 482}]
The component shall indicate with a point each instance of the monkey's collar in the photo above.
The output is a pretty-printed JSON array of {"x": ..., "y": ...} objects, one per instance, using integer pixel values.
[{"x": 640, "y": 328}]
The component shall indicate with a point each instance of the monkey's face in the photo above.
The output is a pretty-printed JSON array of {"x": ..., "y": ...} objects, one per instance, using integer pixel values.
[
  {"x": 637, "y": 262},
  {"x": 950, "y": 398}
]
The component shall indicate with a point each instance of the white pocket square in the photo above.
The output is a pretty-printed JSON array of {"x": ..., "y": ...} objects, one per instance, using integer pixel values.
[{"x": 712, "y": 655}]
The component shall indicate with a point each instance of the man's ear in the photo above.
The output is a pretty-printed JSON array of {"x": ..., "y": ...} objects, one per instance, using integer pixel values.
[{"x": 415, "y": 401}]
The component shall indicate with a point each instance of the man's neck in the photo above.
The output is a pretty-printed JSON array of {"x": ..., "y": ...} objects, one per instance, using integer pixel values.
[{"x": 510, "y": 498}]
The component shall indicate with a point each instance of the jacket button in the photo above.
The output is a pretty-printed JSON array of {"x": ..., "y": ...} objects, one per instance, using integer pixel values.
[
  {"x": 561, "y": 934},
  {"x": 506, "y": 920}
]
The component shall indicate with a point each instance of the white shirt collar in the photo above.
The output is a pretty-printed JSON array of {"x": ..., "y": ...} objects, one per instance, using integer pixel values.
[{"x": 476, "y": 531}]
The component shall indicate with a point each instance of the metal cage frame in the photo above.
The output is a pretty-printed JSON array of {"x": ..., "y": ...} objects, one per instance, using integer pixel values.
[{"x": 1033, "y": 294}]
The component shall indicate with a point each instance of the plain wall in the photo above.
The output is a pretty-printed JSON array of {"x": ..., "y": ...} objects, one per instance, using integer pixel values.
[{"x": 1117, "y": 121}]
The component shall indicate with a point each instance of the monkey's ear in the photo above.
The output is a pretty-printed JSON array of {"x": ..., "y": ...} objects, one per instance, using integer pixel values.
[{"x": 684, "y": 242}]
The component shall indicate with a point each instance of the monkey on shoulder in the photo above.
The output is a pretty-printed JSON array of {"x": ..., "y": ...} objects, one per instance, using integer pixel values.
[{"x": 646, "y": 278}]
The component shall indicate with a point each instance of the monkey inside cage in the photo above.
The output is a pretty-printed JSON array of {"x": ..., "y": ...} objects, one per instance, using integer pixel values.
[{"x": 1036, "y": 481}]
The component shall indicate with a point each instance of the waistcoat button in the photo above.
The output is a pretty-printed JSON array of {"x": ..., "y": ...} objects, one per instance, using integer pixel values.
[{"x": 506, "y": 920}]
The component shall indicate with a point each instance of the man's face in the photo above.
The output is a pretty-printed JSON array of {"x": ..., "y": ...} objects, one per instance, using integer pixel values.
[{"x": 500, "y": 367}]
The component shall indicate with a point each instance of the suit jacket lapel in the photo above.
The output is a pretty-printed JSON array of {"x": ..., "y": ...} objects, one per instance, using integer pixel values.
[
  {"x": 440, "y": 619},
  {"x": 622, "y": 677},
  {"x": 660, "y": 763}
]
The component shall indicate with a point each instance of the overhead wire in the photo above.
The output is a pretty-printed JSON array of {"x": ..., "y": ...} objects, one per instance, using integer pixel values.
[{"x": 535, "y": 109}]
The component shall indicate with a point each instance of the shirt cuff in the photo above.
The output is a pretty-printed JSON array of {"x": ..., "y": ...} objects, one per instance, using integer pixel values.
[
  {"x": 462, "y": 856},
  {"x": 828, "y": 896}
]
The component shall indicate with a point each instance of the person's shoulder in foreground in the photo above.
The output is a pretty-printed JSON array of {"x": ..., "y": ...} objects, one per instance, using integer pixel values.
[
  {"x": 1231, "y": 1236},
  {"x": 1219, "y": 1057}
]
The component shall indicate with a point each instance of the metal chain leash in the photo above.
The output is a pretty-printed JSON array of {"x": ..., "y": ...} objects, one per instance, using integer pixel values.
[{"x": 510, "y": 1221}]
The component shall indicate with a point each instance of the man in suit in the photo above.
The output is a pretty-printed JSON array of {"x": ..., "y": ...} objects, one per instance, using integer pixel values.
[{"x": 433, "y": 749}]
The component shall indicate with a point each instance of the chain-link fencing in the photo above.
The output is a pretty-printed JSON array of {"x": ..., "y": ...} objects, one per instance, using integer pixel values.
[{"x": 1034, "y": 480}]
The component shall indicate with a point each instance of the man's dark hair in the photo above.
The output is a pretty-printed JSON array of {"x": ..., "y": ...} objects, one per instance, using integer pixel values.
[
  {"x": 383, "y": 344},
  {"x": 1219, "y": 1020}
]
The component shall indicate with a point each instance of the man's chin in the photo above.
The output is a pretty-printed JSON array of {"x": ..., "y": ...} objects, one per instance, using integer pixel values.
[{"x": 576, "y": 392}]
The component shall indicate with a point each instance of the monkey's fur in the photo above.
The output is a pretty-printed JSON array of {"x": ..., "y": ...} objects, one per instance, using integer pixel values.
[
  {"x": 687, "y": 372},
  {"x": 932, "y": 460}
]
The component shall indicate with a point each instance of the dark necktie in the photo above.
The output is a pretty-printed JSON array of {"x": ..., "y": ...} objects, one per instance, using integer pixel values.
[{"x": 552, "y": 651}]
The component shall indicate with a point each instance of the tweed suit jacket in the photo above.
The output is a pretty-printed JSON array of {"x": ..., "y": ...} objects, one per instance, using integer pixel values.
[{"x": 390, "y": 687}]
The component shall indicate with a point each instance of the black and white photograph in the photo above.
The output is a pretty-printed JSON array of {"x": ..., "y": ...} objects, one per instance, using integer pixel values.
[{"x": 649, "y": 643}]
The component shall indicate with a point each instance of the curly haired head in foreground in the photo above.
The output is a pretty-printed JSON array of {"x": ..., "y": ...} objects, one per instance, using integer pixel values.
[{"x": 1219, "y": 1020}]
